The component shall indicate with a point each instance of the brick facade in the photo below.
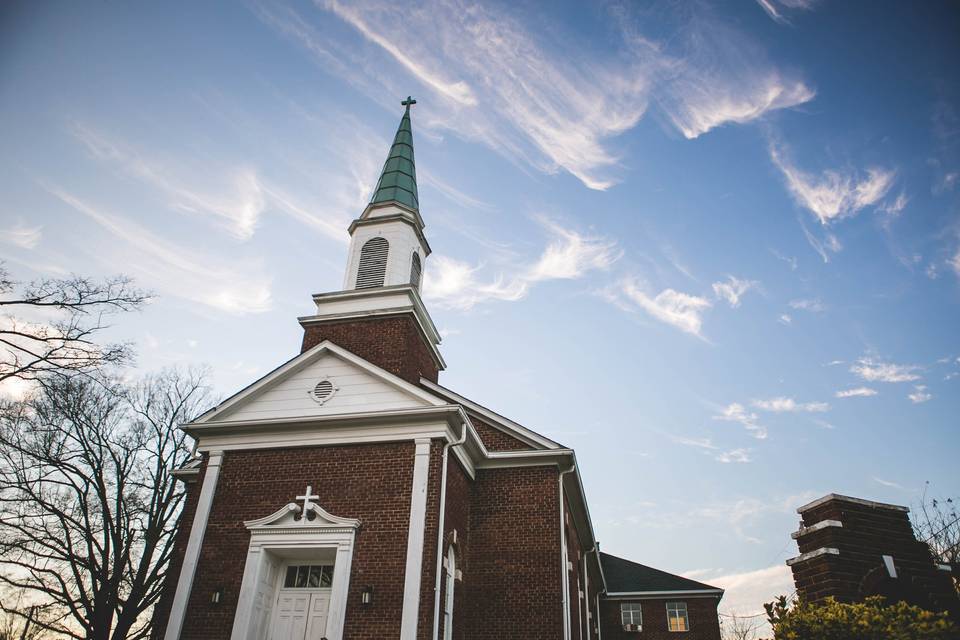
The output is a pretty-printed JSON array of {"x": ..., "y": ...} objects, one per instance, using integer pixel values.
[
  {"x": 867, "y": 531},
  {"x": 369, "y": 482},
  {"x": 394, "y": 343},
  {"x": 513, "y": 589},
  {"x": 701, "y": 614},
  {"x": 495, "y": 440}
]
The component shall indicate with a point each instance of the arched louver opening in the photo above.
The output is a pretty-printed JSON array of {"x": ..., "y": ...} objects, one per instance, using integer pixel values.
[
  {"x": 373, "y": 263},
  {"x": 416, "y": 269}
]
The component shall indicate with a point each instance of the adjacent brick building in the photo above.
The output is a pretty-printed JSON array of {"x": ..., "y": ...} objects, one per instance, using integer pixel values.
[
  {"x": 643, "y": 603},
  {"x": 347, "y": 494},
  {"x": 852, "y": 548}
]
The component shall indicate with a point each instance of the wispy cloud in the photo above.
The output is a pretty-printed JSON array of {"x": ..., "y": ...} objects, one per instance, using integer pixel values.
[
  {"x": 681, "y": 310},
  {"x": 778, "y": 9},
  {"x": 458, "y": 91},
  {"x": 734, "y": 455},
  {"x": 920, "y": 394},
  {"x": 706, "y": 445},
  {"x": 785, "y": 319},
  {"x": 236, "y": 288},
  {"x": 237, "y": 207},
  {"x": 733, "y": 289},
  {"x": 887, "y": 483},
  {"x": 543, "y": 103},
  {"x": 813, "y": 305},
  {"x": 736, "y": 412},
  {"x": 569, "y": 255},
  {"x": 833, "y": 194},
  {"x": 858, "y": 392},
  {"x": 745, "y": 592},
  {"x": 873, "y": 370},
  {"x": 824, "y": 246},
  {"x": 784, "y": 404},
  {"x": 21, "y": 235}
]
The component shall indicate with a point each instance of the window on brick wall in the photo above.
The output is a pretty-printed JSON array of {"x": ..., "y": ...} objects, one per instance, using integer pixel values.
[
  {"x": 451, "y": 567},
  {"x": 677, "y": 616},
  {"x": 307, "y": 576},
  {"x": 631, "y": 615}
]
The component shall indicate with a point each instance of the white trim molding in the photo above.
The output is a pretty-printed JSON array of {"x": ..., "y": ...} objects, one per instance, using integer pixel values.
[
  {"x": 682, "y": 593},
  {"x": 822, "y": 551},
  {"x": 293, "y": 531},
  {"x": 191, "y": 557},
  {"x": 823, "y": 524},
  {"x": 860, "y": 501},
  {"x": 415, "y": 538}
]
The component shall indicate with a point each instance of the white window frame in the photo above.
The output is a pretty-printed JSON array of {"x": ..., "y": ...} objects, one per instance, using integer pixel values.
[
  {"x": 674, "y": 609},
  {"x": 635, "y": 611},
  {"x": 449, "y": 593}
]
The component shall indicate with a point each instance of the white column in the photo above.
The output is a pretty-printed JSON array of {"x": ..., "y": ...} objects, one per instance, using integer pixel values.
[
  {"x": 178, "y": 610},
  {"x": 418, "y": 512},
  {"x": 338, "y": 595}
]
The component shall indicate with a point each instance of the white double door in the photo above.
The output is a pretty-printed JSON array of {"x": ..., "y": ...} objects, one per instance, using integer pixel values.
[{"x": 301, "y": 614}]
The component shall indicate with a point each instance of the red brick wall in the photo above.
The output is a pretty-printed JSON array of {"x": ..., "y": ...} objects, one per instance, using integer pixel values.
[
  {"x": 701, "y": 614},
  {"x": 512, "y": 590},
  {"x": 868, "y": 533},
  {"x": 459, "y": 499},
  {"x": 370, "y": 482},
  {"x": 161, "y": 612},
  {"x": 394, "y": 343},
  {"x": 495, "y": 440},
  {"x": 575, "y": 556}
]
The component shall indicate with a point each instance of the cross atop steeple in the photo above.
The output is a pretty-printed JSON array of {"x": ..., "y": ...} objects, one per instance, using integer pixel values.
[{"x": 409, "y": 101}]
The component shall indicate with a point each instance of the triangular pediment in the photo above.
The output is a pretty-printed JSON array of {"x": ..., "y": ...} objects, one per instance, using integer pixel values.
[{"x": 324, "y": 381}]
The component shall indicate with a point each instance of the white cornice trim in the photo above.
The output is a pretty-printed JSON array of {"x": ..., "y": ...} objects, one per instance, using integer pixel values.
[
  {"x": 665, "y": 594},
  {"x": 290, "y": 366},
  {"x": 822, "y": 551},
  {"x": 525, "y": 435},
  {"x": 543, "y": 458},
  {"x": 860, "y": 501},
  {"x": 823, "y": 524},
  {"x": 415, "y": 301}
]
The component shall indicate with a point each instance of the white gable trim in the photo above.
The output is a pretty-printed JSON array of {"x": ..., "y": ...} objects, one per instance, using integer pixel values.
[
  {"x": 252, "y": 391},
  {"x": 506, "y": 425}
]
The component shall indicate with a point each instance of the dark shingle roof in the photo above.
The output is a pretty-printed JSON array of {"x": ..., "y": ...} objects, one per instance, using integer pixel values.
[{"x": 625, "y": 576}]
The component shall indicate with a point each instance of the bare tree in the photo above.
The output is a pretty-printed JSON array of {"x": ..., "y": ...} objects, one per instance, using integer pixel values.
[
  {"x": 740, "y": 627},
  {"x": 88, "y": 506},
  {"x": 21, "y": 625},
  {"x": 66, "y": 315},
  {"x": 937, "y": 522}
]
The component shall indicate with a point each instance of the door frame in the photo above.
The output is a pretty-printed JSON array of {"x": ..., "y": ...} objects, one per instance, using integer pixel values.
[{"x": 284, "y": 535}]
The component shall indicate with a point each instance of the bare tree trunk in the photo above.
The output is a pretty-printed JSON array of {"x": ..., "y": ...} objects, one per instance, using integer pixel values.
[{"x": 88, "y": 507}]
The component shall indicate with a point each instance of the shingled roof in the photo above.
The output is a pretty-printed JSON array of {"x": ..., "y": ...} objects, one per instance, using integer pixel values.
[{"x": 624, "y": 576}]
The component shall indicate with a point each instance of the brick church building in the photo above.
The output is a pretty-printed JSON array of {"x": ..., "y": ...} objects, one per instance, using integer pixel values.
[{"x": 347, "y": 494}]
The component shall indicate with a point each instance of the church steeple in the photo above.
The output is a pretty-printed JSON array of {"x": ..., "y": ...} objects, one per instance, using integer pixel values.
[
  {"x": 398, "y": 180},
  {"x": 387, "y": 245},
  {"x": 379, "y": 315}
]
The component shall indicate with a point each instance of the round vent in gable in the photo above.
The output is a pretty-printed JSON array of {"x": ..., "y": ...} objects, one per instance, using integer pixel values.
[{"x": 323, "y": 391}]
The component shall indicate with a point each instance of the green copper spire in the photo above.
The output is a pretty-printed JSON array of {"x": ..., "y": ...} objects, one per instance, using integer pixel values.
[{"x": 398, "y": 180}]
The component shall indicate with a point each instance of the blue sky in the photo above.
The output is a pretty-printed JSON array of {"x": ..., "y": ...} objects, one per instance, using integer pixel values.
[{"x": 715, "y": 248}]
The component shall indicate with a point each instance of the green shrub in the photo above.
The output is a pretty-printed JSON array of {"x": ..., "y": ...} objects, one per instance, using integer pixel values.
[{"x": 868, "y": 620}]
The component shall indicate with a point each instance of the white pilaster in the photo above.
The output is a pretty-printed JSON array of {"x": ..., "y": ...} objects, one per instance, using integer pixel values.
[
  {"x": 191, "y": 556},
  {"x": 418, "y": 512}
]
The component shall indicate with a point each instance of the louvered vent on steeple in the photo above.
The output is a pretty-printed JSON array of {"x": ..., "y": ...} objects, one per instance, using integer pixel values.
[
  {"x": 416, "y": 270},
  {"x": 373, "y": 263}
]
